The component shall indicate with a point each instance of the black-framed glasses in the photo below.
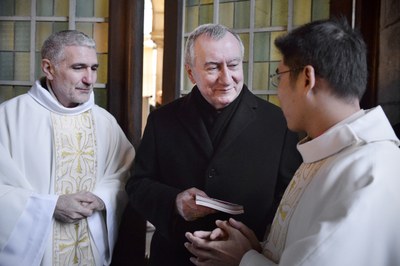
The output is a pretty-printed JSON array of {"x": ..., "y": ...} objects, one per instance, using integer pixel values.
[{"x": 275, "y": 78}]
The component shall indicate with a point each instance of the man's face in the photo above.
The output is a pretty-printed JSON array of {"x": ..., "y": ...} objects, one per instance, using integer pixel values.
[
  {"x": 73, "y": 78},
  {"x": 217, "y": 69},
  {"x": 291, "y": 99}
]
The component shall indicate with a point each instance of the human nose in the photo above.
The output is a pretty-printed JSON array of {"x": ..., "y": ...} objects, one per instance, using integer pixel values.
[
  {"x": 90, "y": 76},
  {"x": 225, "y": 75}
]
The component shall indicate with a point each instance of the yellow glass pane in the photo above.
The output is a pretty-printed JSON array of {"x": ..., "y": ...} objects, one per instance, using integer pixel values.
[
  {"x": 100, "y": 36},
  {"x": 43, "y": 31},
  {"x": 226, "y": 12},
  {"x": 22, "y": 62},
  {"x": 206, "y": 1},
  {"x": 272, "y": 98},
  {"x": 320, "y": 9},
  {"x": 7, "y": 36},
  {"x": 275, "y": 54},
  {"x": 61, "y": 8},
  {"x": 103, "y": 68},
  {"x": 22, "y": 7},
  {"x": 101, "y": 8},
  {"x": 246, "y": 72},
  {"x": 260, "y": 76},
  {"x": 279, "y": 13},
  {"x": 191, "y": 18},
  {"x": 262, "y": 13},
  {"x": 302, "y": 12},
  {"x": 206, "y": 14},
  {"x": 245, "y": 40}
]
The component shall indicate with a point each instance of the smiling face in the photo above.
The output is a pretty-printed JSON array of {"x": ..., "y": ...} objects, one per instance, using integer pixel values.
[
  {"x": 72, "y": 78},
  {"x": 217, "y": 69}
]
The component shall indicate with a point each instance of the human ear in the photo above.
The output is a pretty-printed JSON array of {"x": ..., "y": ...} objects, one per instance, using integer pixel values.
[
  {"x": 47, "y": 68},
  {"x": 309, "y": 73},
  {"x": 189, "y": 72}
]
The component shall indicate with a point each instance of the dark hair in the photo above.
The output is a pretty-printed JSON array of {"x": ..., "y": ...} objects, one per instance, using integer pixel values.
[{"x": 334, "y": 49}]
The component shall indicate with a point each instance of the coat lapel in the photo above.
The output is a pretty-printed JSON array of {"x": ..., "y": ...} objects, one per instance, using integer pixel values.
[
  {"x": 242, "y": 117},
  {"x": 191, "y": 120}
]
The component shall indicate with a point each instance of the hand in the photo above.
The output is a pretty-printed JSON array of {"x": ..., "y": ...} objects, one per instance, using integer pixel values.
[
  {"x": 186, "y": 205},
  {"x": 71, "y": 208},
  {"x": 227, "y": 250}
]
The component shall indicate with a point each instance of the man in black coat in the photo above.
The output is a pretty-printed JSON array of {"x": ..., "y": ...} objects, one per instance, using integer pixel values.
[{"x": 219, "y": 141}]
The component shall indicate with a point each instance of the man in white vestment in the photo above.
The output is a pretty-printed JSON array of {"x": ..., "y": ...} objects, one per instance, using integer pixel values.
[
  {"x": 343, "y": 205},
  {"x": 63, "y": 164}
]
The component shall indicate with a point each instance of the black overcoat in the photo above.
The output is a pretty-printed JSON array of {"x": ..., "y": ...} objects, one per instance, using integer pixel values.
[{"x": 252, "y": 166}]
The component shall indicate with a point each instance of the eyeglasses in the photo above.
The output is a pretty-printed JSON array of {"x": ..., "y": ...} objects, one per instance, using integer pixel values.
[{"x": 275, "y": 78}]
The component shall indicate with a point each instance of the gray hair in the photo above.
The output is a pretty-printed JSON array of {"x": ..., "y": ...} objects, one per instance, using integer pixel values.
[
  {"x": 214, "y": 31},
  {"x": 53, "y": 47}
]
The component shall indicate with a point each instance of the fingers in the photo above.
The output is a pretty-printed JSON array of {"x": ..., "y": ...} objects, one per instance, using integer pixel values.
[{"x": 186, "y": 205}]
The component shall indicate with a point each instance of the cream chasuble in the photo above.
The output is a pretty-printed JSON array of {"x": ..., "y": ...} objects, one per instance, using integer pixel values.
[
  {"x": 75, "y": 153},
  {"x": 275, "y": 244}
]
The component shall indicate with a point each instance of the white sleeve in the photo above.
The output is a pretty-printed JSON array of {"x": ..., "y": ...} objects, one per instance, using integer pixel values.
[{"x": 254, "y": 258}]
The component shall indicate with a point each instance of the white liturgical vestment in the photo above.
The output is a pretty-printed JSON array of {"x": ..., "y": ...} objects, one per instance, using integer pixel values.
[
  {"x": 342, "y": 207},
  {"x": 47, "y": 150}
]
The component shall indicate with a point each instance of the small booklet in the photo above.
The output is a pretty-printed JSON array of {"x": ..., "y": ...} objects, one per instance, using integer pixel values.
[{"x": 220, "y": 205}]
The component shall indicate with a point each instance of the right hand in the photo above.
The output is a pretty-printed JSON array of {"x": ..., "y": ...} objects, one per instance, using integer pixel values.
[
  {"x": 186, "y": 205},
  {"x": 71, "y": 208}
]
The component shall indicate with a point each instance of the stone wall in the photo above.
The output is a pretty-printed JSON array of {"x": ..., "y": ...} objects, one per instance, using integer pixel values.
[{"x": 389, "y": 62}]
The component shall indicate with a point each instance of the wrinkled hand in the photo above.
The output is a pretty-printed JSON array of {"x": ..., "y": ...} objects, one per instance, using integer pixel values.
[
  {"x": 225, "y": 245},
  {"x": 71, "y": 208},
  {"x": 186, "y": 205}
]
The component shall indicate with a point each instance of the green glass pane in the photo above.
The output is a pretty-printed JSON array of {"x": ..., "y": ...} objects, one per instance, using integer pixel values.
[
  {"x": 302, "y": 12},
  {"x": 22, "y": 7},
  {"x": 7, "y": 8},
  {"x": 102, "y": 70},
  {"x": 191, "y": 18},
  {"x": 7, "y": 35},
  {"x": 44, "y": 7},
  {"x": 19, "y": 90},
  {"x": 101, "y": 8},
  {"x": 226, "y": 12},
  {"x": 320, "y": 9},
  {"x": 262, "y": 13},
  {"x": 22, "y": 63},
  {"x": 245, "y": 40},
  {"x": 245, "y": 72},
  {"x": 279, "y": 13},
  {"x": 7, "y": 65},
  {"x": 61, "y": 8},
  {"x": 22, "y": 36},
  {"x": 187, "y": 84},
  {"x": 6, "y": 93},
  {"x": 84, "y": 8},
  {"x": 206, "y": 2},
  {"x": 261, "y": 46},
  {"x": 191, "y": 3},
  {"x": 100, "y": 97},
  {"x": 260, "y": 76},
  {"x": 86, "y": 28},
  {"x": 38, "y": 65},
  {"x": 43, "y": 31},
  {"x": 206, "y": 14},
  {"x": 59, "y": 26},
  {"x": 242, "y": 15}
]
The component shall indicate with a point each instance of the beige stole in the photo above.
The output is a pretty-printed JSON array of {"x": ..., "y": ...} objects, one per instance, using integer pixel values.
[
  {"x": 275, "y": 244},
  {"x": 75, "y": 168}
]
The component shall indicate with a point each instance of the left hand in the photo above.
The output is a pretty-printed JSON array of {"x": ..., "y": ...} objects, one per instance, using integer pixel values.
[{"x": 226, "y": 249}]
